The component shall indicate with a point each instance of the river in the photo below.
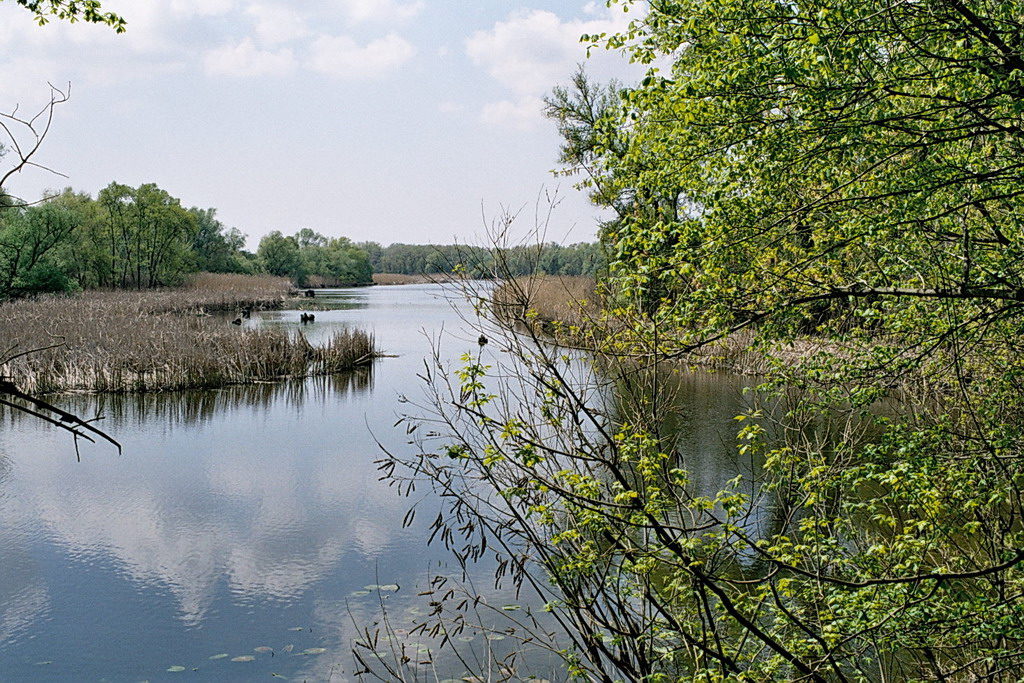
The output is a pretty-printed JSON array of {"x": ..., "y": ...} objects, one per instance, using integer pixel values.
[{"x": 244, "y": 533}]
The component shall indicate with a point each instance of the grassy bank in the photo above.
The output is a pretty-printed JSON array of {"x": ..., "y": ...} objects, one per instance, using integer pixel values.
[
  {"x": 160, "y": 340},
  {"x": 400, "y": 279},
  {"x": 560, "y": 306},
  {"x": 571, "y": 311}
]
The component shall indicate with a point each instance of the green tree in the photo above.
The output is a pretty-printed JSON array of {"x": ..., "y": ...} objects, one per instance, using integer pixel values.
[
  {"x": 835, "y": 190},
  {"x": 280, "y": 255},
  {"x": 217, "y": 249},
  {"x": 148, "y": 236}
]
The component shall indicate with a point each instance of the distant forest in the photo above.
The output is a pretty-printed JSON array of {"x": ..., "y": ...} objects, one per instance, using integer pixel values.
[
  {"x": 424, "y": 259},
  {"x": 142, "y": 237}
]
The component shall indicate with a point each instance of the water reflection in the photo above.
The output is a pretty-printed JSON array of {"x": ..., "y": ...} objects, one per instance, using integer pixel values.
[
  {"x": 248, "y": 517},
  {"x": 232, "y": 517},
  {"x": 198, "y": 407}
]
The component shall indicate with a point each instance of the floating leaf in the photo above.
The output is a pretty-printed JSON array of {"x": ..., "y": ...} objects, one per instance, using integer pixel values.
[
  {"x": 222, "y": 655},
  {"x": 297, "y": 628},
  {"x": 495, "y": 636},
  {"x": 359, "y": 594},
  {"x": 371, "y": 587},
  {"x": 388, "y": 587},
  {"x": 314, "y": 651},
  {"x": 243, "y": 658},
  {"x": 263, "y": 648},
  {"x": 467, "y": 639},
  {"x": 43, "y": 663},
  {"x": 511, "y": 608},
  {"x": 175, "y": 669}
]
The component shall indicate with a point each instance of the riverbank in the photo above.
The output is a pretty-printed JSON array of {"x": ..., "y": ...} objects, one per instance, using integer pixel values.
[
  {"x": 163, "y": 340},
  {"x": 402, "y": 279},
  {"x": 571, "y": 311}
]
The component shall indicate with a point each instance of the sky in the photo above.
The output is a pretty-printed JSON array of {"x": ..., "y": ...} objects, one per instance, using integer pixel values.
[{"x": 388, "y": 120}]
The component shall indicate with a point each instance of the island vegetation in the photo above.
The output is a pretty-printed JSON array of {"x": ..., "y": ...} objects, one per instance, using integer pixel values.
[{"x": 166, "y": 339}]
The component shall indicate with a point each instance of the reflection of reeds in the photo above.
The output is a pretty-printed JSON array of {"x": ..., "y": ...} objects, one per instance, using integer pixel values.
[
  {"x": 154, "y": 341},
  {"x": 199, "y": 406}
]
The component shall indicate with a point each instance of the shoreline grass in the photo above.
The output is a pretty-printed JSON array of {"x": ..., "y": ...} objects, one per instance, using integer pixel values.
[
  {"x": 388, "y": 279},
  {"x": 570, "y": 311},
  {"x": 162, "y": 340}
]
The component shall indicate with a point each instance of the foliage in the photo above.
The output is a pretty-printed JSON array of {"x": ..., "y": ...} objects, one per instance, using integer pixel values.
[
  {"x": 428, "y": 259},
  {"x": 311, "y": 258},
  {"x": 843, "y": 177},
  {"x": 217, "y": 249},
  {"x": 73, "y": 10}
]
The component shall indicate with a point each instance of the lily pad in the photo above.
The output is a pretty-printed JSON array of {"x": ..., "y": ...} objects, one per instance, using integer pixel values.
[
  {"x": 314, "y": 651},
  {"x": 263, "y": 648},
  {"x": 222, "y": 655},
  {"x": 243, "y": 658},
  {"x": 388, "y": 587},
  {"x": 175, "y": 669}
]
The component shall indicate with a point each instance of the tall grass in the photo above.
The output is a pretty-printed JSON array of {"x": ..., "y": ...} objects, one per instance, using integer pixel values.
[
  {"x": 548, "y": 302},
  {"x": 571, "y": 311},
  {"x": 401, "y": 279},
  {"x": 159, "y": 340}
]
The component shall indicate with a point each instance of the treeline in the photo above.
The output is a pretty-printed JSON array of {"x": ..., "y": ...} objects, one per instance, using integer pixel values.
[
  {"x": 312, "y": 259},
  {"x": 126, "y": 238},
  {"x": 427, "y": 259},
  {"x": 142, "y": 237}
]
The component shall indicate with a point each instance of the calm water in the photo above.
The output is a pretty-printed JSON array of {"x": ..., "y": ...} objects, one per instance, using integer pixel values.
[{"x": 245, "y": 518}]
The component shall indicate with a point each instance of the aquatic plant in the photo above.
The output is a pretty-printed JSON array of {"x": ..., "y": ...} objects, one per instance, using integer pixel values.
[{"x": 163, "y": 340}]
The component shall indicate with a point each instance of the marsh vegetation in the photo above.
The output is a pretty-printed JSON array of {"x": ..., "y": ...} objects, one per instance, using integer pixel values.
[{"x": 167, "y": 339}]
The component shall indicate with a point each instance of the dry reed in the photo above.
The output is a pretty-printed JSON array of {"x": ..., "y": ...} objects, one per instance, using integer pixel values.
[
  {"x": 548, "y": 301},
  {"x": 155, "y": 340},
  {"x": 569, "y": 311},
  {"x": 401, "y": 279}
]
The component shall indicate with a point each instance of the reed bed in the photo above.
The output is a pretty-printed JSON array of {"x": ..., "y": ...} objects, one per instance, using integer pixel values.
[
  {"x": 154, "y": 341},
  {"x": 548, "y": 301},
  {"x": 401, "y": 279},
  {"x": 223, "y": 292},
  {"x": 569, "y": 310}
]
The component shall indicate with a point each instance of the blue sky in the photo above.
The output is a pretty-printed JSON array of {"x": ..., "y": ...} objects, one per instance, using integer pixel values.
[{"x": 390, "y": 120}]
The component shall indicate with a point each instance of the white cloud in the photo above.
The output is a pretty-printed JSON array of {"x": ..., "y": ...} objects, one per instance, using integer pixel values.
[
  {"x": 343, "y": 57},
  {"x": 380, "y": 10},
  {"x": 523, "y": 113},
  {"x": 533, "y": 50},
  {"x": 245, "y": 59},
  {"x": 277, "y": 23}
]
